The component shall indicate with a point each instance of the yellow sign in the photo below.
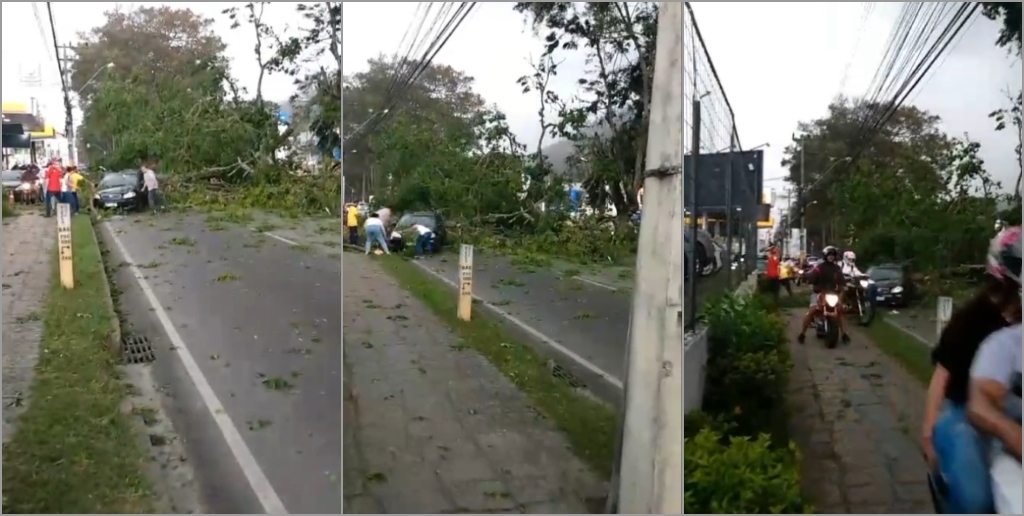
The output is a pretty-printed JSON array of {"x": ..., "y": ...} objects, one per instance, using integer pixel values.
[
  {"x": 762, "y": 224},
  {"x": 64, "y": 247},
  {"x": 465, "y": 282}
]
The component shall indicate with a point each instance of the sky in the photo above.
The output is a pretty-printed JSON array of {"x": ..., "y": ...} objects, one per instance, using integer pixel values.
[
  {"x": 776, "y": 74},
  {"x": 779, "y": 62}
]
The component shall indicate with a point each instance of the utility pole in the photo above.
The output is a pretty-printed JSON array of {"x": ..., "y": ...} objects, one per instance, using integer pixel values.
[
  {"x": 651, "y": 452},
  {"x": 65, "y": 58},
  {"x": 800, "y": 204}
]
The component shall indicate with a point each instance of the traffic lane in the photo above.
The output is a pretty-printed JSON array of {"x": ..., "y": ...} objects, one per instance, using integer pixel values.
[
  {"x": 262, "y": 319},
  {"x": 589, "y": 320}
]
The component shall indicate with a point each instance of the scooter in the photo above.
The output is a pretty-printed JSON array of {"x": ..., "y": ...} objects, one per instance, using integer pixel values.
[{"x": 826, "y": 323}]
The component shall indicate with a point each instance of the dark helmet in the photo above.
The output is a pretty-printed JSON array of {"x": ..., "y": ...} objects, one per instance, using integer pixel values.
[
  {"x": 831, "y": 250},
  {"x": 1004, "y": 255}
]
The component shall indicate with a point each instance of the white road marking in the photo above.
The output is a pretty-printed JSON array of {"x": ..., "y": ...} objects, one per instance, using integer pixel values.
[
  {"x": 595, "y": 283},
  {"x": 281, "y": 238},
  {"x": 532, "y": 331},
  {"x": 246, "y": 461}
]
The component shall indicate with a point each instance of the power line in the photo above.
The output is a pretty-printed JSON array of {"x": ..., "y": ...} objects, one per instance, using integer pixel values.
[{"x": 56, "y": 50}]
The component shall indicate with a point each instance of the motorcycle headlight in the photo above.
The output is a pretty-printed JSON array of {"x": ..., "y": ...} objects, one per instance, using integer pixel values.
[
  {"x": 897, "y": 290},
  {"x": 129, "y": 195},
  {"x": 831, "y": 299},
  {"x": 864, "y": 283}
]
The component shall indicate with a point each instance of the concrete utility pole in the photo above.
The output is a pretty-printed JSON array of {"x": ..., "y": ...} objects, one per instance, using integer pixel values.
[
  {"x": 800, "y": 204},
  {"x": 65, "y": 59},
  {"x": 651, "y": 460}
]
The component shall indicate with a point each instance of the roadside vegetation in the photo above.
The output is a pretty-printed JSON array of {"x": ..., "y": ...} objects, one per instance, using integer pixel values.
[
  {"x": 75, "y": 451},
  {"x": 8, "y": 208},
  {"x": 738, "y": 458}
]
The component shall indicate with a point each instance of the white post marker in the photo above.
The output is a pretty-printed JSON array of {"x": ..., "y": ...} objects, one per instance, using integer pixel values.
[
  {"x": 465, "y": 282},
  {"x": 943, "y": 312},
  {"x": 64, "y": 248}
]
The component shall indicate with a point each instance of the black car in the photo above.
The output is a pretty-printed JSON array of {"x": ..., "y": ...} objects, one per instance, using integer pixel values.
[
  {"x": 893, "y": 284},
  {"x": 120, "y": 191},
  {"x": 401, "y": 232}
]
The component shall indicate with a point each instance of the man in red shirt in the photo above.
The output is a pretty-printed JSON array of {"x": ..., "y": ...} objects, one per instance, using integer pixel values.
[
  {"x": 772, "y": 272},
  {"x": 54, "y": 176}
]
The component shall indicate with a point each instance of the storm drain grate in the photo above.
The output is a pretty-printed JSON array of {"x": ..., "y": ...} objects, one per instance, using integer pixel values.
[
  {"x": 561, "y": 373},
  {"x": 136, "y": 349}
]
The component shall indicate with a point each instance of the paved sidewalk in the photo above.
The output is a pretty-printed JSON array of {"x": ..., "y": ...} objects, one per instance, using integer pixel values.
[
  {"x": 856, "y": 415},
  {"x": 27, "y": 265},
  {"x": 430, "y": 427}
]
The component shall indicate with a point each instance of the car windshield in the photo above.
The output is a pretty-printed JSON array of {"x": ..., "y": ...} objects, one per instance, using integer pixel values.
[
  {"x": 12, "y": 175},
  {"x": 885, "y": 274},
  {"x": 116, "y": 180},
  {"x": 411, "y": 219}
]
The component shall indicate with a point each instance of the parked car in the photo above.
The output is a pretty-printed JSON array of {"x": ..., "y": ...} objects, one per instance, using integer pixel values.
[
  {"x": 23, "y": 184},
  {"x": 401, "y": 233},
  {"x": 893, "y": 284},
  {"x": 120, "y": 191}
]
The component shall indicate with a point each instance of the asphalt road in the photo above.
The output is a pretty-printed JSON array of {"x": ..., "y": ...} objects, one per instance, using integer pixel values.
[
  {"x": 247, "y": 334},
  {"x": 586, "y": 317}
]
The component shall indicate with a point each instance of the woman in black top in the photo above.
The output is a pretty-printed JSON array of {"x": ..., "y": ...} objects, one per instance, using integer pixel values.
[{"x": 951, "y": 444}]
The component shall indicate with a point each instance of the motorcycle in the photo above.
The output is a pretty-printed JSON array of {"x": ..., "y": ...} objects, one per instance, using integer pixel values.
[
  {"x": 857, "y": 300},
  {"x": 826, "y": 323}
]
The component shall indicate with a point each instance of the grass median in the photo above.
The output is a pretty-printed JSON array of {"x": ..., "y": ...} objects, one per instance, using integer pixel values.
[
  {"x": 75, "y": 451},
  {"x": 915, "y": 356},
  {"x": 589, "y": 425}
]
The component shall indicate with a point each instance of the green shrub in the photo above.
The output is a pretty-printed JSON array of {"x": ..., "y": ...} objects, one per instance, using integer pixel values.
[
  {"x": 740, "y": 476},
  {"x": 8, "y": 210},
  {"x": 748, "y": 365}
]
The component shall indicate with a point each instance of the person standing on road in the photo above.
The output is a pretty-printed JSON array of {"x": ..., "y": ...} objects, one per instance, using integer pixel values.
[
  {"x": 374, "y": 228},
  {"x": 54, "y": 180},
  {"x": 772, "y": 272},
  {"x": 786, "y": 273},
  {"x": 152, "y": 186},
  {"x": 74, "y": 180},
  {"x": 352, "y": 223},
  {"x": 424, "y": 235}
]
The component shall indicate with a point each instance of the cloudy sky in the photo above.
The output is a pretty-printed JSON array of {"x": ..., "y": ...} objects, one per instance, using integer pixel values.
[
  {"x": 779, "y": 62},
  {"x": 783, "y": 62}
]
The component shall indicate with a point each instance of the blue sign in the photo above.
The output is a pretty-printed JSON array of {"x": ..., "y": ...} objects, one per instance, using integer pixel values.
[
  {"x": 337, "y": 153},
  {"x": 284, "y": 118}
]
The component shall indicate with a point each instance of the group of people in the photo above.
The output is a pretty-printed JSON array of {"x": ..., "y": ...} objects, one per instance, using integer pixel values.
[
  {"x": 376, "y": 226},
  {"x": 60, "y": 184},
  {"x": 974, "y": 398}
]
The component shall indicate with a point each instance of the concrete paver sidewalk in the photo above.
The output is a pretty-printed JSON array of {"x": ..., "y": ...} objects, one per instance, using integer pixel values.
[
  {"x": 430, "y": 427},
  {"x": 28, "y": 243},
  {"x": 856, "y": 415}
]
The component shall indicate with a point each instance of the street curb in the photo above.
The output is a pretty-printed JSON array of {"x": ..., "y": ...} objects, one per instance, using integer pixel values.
[
  {"x": 600, "y": 384},
  {"x": 115, "y": 333}
]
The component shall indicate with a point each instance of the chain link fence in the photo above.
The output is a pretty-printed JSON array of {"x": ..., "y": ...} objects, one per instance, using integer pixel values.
[{"x": 722, "y": 183}]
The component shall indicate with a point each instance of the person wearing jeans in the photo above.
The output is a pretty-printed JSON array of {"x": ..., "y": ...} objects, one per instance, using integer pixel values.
[
  {"x": 54, "y": 180},
  {"x": 374, "y": 228},
  {"x": 424, "y": 234},
  {"x": 154, "y": 196}
]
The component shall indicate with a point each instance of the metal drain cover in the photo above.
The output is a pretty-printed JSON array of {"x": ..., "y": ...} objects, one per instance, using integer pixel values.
[
  {"x": 561, "y": 373},
  {"x": 136, "y": 349}
]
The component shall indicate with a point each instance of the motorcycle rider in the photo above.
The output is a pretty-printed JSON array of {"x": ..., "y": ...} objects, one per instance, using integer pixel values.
[
  {"x": 850, "y": 269},
  {"x": 994, "y": 404},
  {"x": 826, "y": 277},
  {"x": 953, "y": 447}
]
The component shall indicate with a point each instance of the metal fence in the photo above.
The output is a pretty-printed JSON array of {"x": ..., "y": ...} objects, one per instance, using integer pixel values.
[{"x": 721, "y": 183}]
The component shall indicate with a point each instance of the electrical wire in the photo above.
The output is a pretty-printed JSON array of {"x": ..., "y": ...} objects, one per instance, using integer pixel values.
[
  {"x": 56, "y": 51},
  {"x": 421, "y": 64}
]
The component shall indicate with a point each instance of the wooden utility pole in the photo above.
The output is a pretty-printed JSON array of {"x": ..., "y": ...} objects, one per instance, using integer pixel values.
[{"x": 650, "y": 469}]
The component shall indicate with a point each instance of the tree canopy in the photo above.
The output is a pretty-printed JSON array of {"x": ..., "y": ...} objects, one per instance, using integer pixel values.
[{"x": 900, "y": 196}]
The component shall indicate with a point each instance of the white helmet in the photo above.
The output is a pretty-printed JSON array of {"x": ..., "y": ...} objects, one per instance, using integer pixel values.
[{"x": 849, "y": 257}]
